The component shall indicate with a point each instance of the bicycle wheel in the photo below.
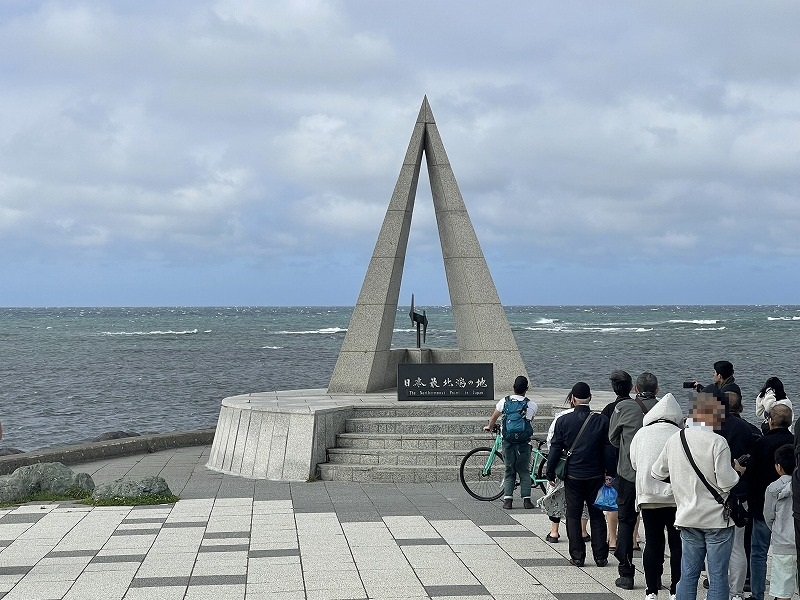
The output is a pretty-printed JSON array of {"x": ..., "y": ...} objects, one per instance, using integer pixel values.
[
  {"x": 483, "y": 487},
  {"x": 541, "y": 473}
]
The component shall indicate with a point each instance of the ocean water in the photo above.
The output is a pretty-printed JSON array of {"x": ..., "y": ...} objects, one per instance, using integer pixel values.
[{"x": 69, "y": 374}]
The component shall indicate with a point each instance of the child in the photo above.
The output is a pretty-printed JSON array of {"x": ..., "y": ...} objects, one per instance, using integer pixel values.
[{"x": 778, "y": 515}]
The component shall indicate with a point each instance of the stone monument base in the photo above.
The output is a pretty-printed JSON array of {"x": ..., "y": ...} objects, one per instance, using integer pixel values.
[{"x": 284, "y": 435}]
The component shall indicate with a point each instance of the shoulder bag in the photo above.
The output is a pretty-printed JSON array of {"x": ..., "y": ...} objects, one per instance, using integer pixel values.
[{"x": 561, "y": 466}]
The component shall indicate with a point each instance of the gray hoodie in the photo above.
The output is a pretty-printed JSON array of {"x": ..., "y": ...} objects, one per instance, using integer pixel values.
[
  {"x": 659, "y": 424},
  {"x": 778, "y": 515}
]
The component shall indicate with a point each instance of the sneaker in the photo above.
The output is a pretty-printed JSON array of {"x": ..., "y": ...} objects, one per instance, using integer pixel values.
[
  {"x": 526, "y": 503},
  {"x": 603, "y": 562},
  {"x": 575, "y": 563},
  {"x": 673, "y": 597},
  {"x": 507, "y": 503},
  {"x": 651, "y": 597},
  {"x": 625, "y": 583},
  {"x": 737, "y": 597}
]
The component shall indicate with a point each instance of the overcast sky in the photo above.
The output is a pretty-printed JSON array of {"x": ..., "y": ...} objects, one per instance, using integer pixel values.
[{"x": 243, "y": 152}]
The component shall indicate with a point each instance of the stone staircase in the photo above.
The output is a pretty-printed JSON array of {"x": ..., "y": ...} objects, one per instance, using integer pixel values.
[{"x": 414, "y": 442}]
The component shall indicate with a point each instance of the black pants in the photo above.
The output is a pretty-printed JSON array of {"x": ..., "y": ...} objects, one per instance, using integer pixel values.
[
  {"x": 626, "y": 500},
  {"x": 655, "y": 521},
  {"x": 578, "y": 492}
]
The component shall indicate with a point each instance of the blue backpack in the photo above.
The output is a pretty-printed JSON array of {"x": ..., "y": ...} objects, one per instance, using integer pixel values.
[{"x": 516, "y": 428}]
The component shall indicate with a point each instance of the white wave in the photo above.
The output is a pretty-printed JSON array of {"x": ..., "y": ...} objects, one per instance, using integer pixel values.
[
  {"x": 272, "y": 347},
  {"x": 157, "y": 332},
  {"x": 695, "y": 321},
  {"x": 324, "y": 330},
  {"x": 544, "y": 321},
  {"x": 793, "y": 318},
  {"x": 709, "y": 328},
  {"x": 412, "y": 329},
  {"x": 561, "y": 329}
]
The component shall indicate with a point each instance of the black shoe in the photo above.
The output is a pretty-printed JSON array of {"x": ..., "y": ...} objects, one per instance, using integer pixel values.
[
  {"x": 526, "y": 503},
  {"x": 601, "y": 563},
  {"x": 507, "y": 503},
  {"x": 587, "y": 538},
  {"x": 625, "y": 583},
  {"x": 551, "y": 539},
  {"x": 575, "y": 563}
]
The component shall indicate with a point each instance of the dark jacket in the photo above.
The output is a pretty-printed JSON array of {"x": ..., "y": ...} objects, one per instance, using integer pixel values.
[
  {"x": 741, "y": 436},
  {"x": 593, "y": 456},
  {"x": 761, "y": 468}
]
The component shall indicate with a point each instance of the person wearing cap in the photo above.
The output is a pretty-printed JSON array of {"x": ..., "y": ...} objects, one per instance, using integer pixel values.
[
  {"x": 517, "y": 456},
  {"x": 625, "y": 422},
  {"x": 591, "y": 460}
]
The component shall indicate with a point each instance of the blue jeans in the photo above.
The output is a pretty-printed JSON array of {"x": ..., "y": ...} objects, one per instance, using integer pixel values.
[
  {"x": 697, "y": 544},
  {"x": 759, "y": 545},
  {"x": 518, "y": 462}
]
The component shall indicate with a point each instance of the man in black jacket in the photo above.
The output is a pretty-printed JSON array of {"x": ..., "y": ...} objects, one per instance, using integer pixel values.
[
  {"x": 759, "y": 473},
  {"x": 591, "y": 460}
]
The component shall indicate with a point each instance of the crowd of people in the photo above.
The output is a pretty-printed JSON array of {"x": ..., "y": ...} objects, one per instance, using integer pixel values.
[{"x": 712, "y": 487}]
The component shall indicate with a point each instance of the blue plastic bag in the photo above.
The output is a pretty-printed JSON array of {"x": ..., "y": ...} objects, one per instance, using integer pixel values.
[{"x": 606, "y": 498}]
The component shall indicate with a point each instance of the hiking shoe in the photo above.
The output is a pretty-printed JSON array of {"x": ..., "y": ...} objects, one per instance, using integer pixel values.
[
  {"x": 526, "y": 503},
  {"x": 507, "y": 503},
  {"x": 625, "y": 583}
]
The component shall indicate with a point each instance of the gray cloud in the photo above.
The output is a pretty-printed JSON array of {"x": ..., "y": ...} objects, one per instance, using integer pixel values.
[{"x": 214, "y": 132}]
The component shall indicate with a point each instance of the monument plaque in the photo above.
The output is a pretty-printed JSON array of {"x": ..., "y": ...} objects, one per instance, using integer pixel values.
[{"x": 453, "y": 381}]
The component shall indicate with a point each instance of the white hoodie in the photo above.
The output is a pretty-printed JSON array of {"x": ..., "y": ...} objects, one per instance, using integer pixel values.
[
  {"x": 765, "y": 403},
  {"x": 659, "y": 424}
]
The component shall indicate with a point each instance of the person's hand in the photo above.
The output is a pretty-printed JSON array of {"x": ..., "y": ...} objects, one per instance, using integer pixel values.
[
  {"x": 609, "y": 480},
  {"x": 486, "y": 428},
  {"x": 739, "y": 468}
]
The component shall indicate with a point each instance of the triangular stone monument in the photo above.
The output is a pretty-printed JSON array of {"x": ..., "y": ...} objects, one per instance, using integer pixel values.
[{"x": 366, "y": 361}]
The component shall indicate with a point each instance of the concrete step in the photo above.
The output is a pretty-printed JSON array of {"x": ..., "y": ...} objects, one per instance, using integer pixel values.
[
  {"x": 464, "y": 408},
  {"x": 430, "y": 425},
  {"x": 428, "y": 458},
  {"x": 387, "y": 473},
  {"x": 395, "y": 441}
]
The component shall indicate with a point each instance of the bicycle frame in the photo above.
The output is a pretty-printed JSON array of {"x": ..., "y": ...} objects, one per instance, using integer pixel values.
[{"x": 537, "y": 462}]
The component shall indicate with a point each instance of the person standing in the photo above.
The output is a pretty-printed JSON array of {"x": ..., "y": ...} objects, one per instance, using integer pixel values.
[
  {"x": 554, "y": 502},
  {"x": 778, "y": 516},
  {"x": 517, "y": 411},
  {"x": 706, "y": 531},
  {"x": 625, "y": 422},
  {"x": 654, "y": 498},
  {"x": 622, "y": 384},
  {"x": 771, "y": 393},
  {"x": 583, "y": 435},
  {"x": 759, "y": 474}
]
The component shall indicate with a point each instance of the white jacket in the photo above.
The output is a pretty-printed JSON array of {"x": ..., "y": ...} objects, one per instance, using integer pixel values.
[
  {"x": 765, "y": 403},
  {"x": 659, "y": 424},
  {"x": 697, "y": 507}
]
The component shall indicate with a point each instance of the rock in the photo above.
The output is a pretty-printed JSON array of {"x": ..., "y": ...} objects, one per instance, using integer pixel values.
[
  {"x": 52, "y": 478},
  {"x": 10, "y": 451},
  {"x": 131, "y": 488},
  {"x": 115, "y": 435}
]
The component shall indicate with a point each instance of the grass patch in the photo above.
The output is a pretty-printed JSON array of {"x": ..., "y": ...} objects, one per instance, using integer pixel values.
[
  {"x": 145, "y": 500},
  {"x": 80, "y": 497}
]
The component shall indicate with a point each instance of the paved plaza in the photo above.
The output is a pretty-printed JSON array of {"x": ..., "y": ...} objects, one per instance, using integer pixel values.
[{"x": 235, "y": 538}]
